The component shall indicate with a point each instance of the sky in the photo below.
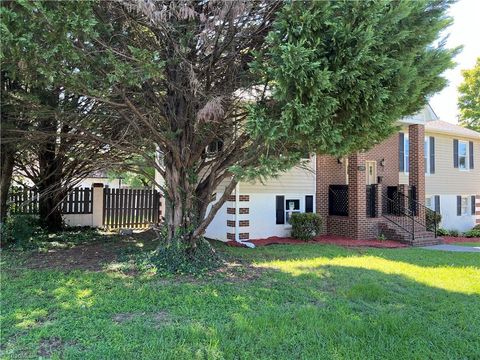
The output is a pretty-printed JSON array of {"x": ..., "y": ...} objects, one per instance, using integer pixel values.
[{"x": 464, "y": 31}]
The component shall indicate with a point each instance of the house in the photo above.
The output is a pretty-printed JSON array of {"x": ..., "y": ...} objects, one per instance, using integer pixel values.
[
  {"x": 452, "y": 174},
  {"x": 390, "y": 190}
]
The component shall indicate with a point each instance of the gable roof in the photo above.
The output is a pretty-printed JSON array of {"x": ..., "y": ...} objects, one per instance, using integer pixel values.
[{"x": 439, "y": 126}]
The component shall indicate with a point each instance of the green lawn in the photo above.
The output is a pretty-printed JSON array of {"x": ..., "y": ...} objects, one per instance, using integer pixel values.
[{"x": 279, "y": 302}]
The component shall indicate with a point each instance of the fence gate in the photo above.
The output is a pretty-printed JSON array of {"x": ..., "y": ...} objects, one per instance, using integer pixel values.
[{"x": 130, "y": 208}]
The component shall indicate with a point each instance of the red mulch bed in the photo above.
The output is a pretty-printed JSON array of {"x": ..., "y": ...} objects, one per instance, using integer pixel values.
[
  {"x": 459, "y": 239},
  {"x": 324, "y": 239}
]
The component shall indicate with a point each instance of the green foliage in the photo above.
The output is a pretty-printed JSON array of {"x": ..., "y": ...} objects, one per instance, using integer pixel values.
[
  {"x": 431, "y": 218},
  {"x": 472, "y": 233},
  {"x": 305, "y": 226},
  {"x": 454, "y": 233},
  {"x": 19, "y": 230},
  {"x": 469, "y": 99},
  {"x": 333, "y": 65},
  {"x": 476, "y": 227},
  {"x": 443, "y": 232}
]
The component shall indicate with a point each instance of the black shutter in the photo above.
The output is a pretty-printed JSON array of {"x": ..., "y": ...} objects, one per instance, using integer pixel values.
[
  {"x": 432, "y": 155},
  {"x": 401, "y": 152},
  {"x": 309, "y": 203},
  {"x": 470, "y": 145},
  {"x": 280, "y": 207},
  {"x": 473, "y": 204},
  {"x": 459, "y": 205},
  {"x": 455, "y": 153},
  {"x": 437, "y": 203}
]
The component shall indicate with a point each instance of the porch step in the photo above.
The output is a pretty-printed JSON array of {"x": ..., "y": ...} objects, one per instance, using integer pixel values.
[{"x": 422, "y": 237}]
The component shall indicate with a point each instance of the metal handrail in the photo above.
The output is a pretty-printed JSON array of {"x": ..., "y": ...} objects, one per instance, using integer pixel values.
[
  {"x": 398, "y": 214},
  {"x": 419, "y": 205}
]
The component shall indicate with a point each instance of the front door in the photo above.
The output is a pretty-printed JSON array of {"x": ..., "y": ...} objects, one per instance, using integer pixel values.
[{"x": 371, "y": 172}]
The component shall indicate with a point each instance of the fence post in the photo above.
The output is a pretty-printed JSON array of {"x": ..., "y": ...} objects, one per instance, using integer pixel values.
[{"x": 97, "y": 205}]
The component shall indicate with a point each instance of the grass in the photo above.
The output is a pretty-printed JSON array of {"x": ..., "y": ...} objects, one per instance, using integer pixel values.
[{"x": 280, "y": 302}]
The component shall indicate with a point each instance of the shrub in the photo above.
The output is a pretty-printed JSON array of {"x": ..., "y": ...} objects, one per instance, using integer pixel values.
[
  {"x": 305, "y": 226},
  {"x": 430, "y": 217},
  {"x": 443, "y": 232},
  {"x": 473, "y": 233},
  {"x": 19, "y": 230},
  {"x": 476, "y": 227},
  {"x": 454, "y": 233}
]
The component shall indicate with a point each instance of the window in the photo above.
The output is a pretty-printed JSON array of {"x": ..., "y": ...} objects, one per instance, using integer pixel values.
[
  {"x": 462, "y": 155},
  {"x": 214, "y": 147},
  {"x": 292, "y": 206},
  {"x": 406, "y": 154},
  {"x": 427, "y": 155},
  {"x": 428, "y": 203},
  {"x": 464, "y": 205}
]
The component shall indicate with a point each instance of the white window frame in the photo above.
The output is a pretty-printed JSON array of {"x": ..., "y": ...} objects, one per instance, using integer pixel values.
[
  {"x": 426, "y": 155},
  {"x": 288, "y": 211},
  {"x": 430, "y": 199},
  {"x": 406, "y": 154},
  {"x": 466, "y": 211},
  {"x": 467, "y": 156}
]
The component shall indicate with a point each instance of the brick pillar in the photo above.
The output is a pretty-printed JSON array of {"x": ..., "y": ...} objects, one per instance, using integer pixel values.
[
  {"x": 357, "y": 195},
  {"x": 322, "y": 184},
  {"x": 416, "y": 177},
  {"x": 403, "y": 201}
]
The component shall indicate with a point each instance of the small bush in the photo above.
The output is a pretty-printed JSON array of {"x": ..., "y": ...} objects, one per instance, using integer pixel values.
[
  {"x": 430, "y": 217},
  {"x": 443, "y": 232},
  {"x": 473, "y": 233},
  {"x": 454, "y": 233},
  {"x": 305, "y": 226},
  {"x": 476, "y": 227},
  {"x": 19, "y": 230}
]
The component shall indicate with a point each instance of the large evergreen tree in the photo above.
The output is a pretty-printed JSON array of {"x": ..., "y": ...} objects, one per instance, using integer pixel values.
[{"x": 260, "y": 82}]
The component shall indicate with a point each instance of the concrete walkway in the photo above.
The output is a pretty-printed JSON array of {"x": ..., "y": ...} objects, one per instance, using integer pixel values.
[{"x": 455, "y": 248}]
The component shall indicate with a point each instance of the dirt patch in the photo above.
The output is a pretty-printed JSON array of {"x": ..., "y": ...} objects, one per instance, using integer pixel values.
[
  {"x": 124, "y": 317},
  {"x": 158, "y": 318},
  {"x": 92, "y": 256},
  {"x": 52, "y": 345}
]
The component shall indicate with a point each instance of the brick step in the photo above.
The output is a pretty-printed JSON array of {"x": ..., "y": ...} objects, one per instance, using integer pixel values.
[{"x": 395, "y": 232}]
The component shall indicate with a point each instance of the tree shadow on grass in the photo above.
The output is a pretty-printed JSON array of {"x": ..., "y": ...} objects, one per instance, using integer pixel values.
[{"x": 305, "y": 310}]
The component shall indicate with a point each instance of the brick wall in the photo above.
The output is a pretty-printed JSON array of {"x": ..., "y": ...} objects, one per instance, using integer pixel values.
[{"x": 330, "y": 172}]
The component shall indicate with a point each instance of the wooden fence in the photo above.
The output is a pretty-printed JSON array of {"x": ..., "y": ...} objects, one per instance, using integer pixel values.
[
  {"x": 130, "y": 208},
  {"x": 23, "y": 200}
]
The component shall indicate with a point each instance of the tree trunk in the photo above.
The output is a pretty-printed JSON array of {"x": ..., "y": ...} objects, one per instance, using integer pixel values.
[
  {"x": 7, "y": 164},
  {"x": 180, "y": 214}
]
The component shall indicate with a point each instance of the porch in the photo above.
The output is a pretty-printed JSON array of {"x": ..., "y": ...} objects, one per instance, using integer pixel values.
[{"x": 361, "y": 198}]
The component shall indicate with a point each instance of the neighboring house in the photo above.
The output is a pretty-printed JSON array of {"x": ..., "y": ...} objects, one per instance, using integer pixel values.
[
  {"x": 101, "y": 176},
  {"x": 365, "y": 195}
]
